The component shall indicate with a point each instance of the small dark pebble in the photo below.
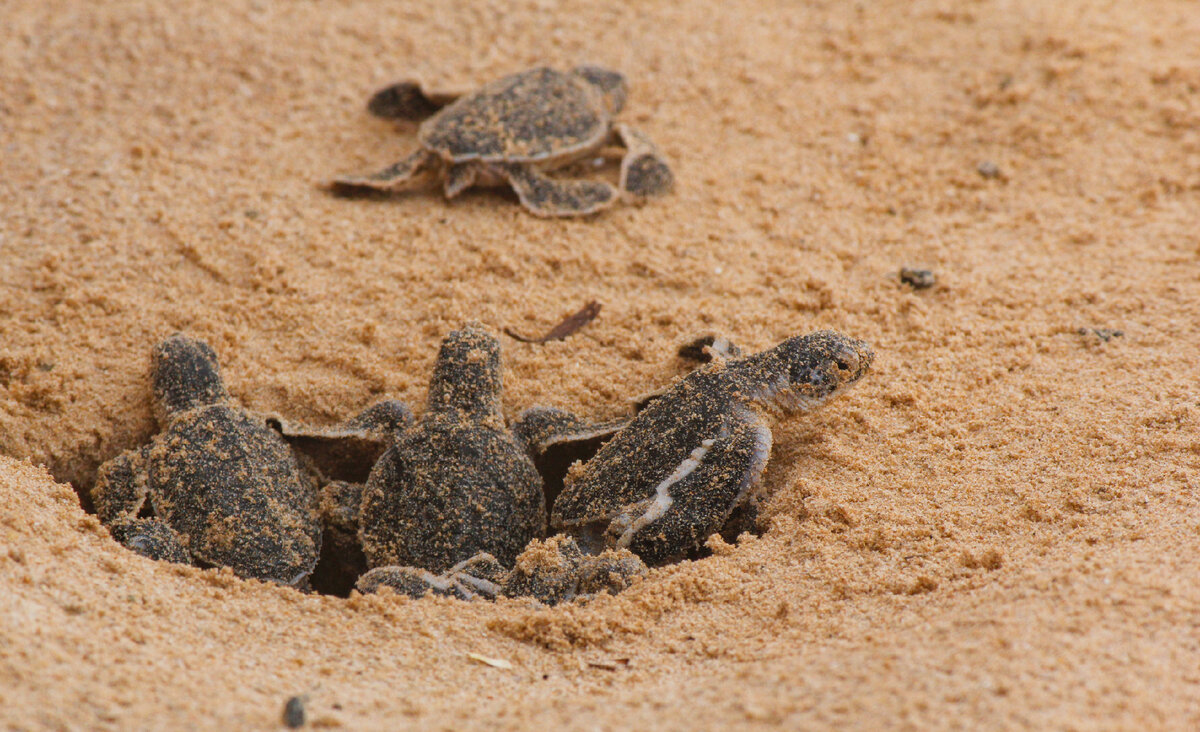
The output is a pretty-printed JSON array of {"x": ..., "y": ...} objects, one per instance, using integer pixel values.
[
  {"x": 1104, "y": 334},
  {"x": 988, "y": 169},
  {"x": 293, "y": 712},
  {"x": 918, "y": 279}
]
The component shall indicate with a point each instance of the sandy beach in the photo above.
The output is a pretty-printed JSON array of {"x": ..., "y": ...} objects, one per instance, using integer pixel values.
[{"x": 998, "y": 528}]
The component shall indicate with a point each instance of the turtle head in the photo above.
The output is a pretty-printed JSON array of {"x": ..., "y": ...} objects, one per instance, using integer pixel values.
[
  {"x": 467, "y": 374},
  {"x": 611, "y": 85},
  {"x": 804, "y": 371},
  {"x": 185, "y": 375}
]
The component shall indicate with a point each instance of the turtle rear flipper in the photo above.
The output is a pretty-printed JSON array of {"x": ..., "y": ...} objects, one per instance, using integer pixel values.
[
  {"x": 410, "y": 581},
  {"x": 547, "y": 197},
  {"x": 480, "y": 576},
  {"x": 459, "y": 178},
  {"x": 644, "y": 172},
  {"x": 415, "y": 171}
]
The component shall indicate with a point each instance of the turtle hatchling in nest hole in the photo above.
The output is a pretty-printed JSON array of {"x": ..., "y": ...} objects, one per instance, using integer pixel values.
[
  {"x": 688, "y": 464},
  {"x": 216, "y": 486}
]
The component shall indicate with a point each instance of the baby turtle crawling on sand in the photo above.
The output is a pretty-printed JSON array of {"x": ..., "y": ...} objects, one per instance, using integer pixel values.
[
  {"x": 662, "y": 485},
  {"x": 514, "y": 130},
  {"x": 216, "y": 486}
]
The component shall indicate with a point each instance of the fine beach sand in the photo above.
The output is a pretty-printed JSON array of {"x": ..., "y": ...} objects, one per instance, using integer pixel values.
[{"x": 998, "y": 528}]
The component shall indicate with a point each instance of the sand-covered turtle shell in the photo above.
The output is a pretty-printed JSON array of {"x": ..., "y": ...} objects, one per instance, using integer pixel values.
[
  {"x": 536, "y": 115},
  {"x": 443, "y": 486},
  {"x": 200, "y": 473},
  {"x": 647, "y": 452}
]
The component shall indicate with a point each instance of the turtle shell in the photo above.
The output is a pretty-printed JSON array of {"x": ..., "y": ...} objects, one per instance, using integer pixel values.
[
  {"x": 628, "y": 468},
  {"x": 232, "y": 490},
  {"x": 446, "y": 491},
  {"x": 536, "y": 115}
]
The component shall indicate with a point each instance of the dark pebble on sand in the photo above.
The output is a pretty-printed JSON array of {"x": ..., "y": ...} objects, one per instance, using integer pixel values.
[
  {"x": 918, "y": 279},
  {"x": 293, "y": 712}
]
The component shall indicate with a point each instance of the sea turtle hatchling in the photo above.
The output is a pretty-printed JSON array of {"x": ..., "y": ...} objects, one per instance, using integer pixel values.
[
  {"x": 696, "y": 451},
  {"x": 455, "y": 505},
  {"x": 513, "y": 131},
  {"x": 216, "y": 487},
  {"x": 457, "y": 483}
]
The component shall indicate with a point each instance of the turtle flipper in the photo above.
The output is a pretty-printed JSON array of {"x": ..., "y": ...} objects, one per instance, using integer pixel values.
[
  {"x": 151, "y": 538},
  {"x": 556, "y": 439},
  {"x": 555, "y": 570},
  {"x": 549, "y": 197},
  {"x": 708, "y": 348},
  {"x": 480, "y": 576},
  {"x": 459, "y": 178},
  {"x": 120, "y": 490},
  {"x": 702, "y": 350},
  {"x": 410, "y": 581},
  {"x": 644, "y": 172},
  {"x": 542, "y": 429},
  {"x": 415, "y": 171},
  {"x": 348, "y": 449},
  {"x": 407, "y": 100},
  {"x": 716, "y": 477}
]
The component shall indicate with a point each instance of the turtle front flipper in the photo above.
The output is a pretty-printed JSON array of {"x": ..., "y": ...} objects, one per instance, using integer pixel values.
[
  {"x": 408, "y": 100},
  {"x": 121, "y": 489},
  {"x": 416, "y": 171},
  {"x": 556, "y": 439},
  {"x": 697, "y": 497},
  {"x": 702, "y": 349},
  {"x": 550, "y": 197},
  {"x": 708, "y": 348},
  {"x": 345, "y": 451},
  {"x": 644, "y": 172}
]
